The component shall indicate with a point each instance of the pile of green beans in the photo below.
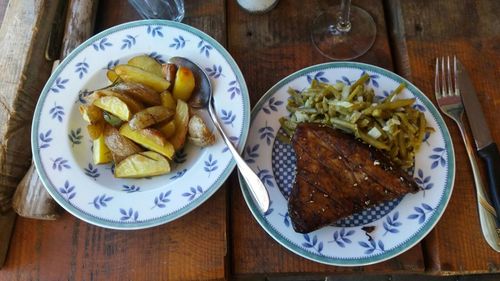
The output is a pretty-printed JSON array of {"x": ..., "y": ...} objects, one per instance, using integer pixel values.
[{"x": 391, "y": 124}]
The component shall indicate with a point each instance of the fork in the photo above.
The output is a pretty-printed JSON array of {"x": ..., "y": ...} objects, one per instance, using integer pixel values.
[{"x": 450, "y": 102}]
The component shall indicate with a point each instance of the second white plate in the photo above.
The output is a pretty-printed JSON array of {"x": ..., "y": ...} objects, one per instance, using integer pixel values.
[{"x": 399, "y": 224}]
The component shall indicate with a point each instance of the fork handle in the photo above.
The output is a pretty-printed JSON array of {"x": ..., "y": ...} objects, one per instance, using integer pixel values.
[{"x": 492, "y": 158}]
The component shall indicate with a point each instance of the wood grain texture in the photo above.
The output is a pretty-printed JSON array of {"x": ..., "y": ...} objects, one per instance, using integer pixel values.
[
  {"x": 190, "y": 248},
  {"x": 23, "y": 37},
  {"x": 6, "y": 220},
  {"x": 397, "y": 39},
  {"x": 399, "y": 49},
  {"x": 79, "y": 24},
  {"x": 3, "y": 7},
  {"x": 267, "y": 48},
  {"x": 193, "y": 247},
  {"x": 31, "y": 199},
  {"x": 470, "y": 30},
  {"x": 6, "y": 225}
]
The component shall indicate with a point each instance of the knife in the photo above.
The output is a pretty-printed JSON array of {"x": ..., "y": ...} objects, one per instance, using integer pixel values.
[{"x": 486, "y": 148}]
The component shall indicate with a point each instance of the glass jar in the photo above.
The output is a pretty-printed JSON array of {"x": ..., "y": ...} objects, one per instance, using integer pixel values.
[{"x": 257, "y": 6}]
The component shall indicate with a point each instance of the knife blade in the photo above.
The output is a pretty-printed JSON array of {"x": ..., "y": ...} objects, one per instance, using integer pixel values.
[
  {"x": 477, "y": 121},
  {"x": 486, "y": 147}
]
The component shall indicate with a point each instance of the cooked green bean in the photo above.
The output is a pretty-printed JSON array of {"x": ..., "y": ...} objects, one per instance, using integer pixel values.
[
  {"x": 406, "y": 125},
  {"x": 421, "y": 131},
  {"x": 389, "y": 105},
  {"x": 360, "y": 81},
  {"x": 355, "y": 93},
  {"x": 402, "y": 145},
  {"x": 337, "y": 122},
  {"x": 372, "y": 141},
  {"x": 398, "y": 90}
]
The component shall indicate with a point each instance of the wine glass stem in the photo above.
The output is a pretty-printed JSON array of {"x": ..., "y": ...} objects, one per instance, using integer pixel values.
[{"x": 343, "y": 22}]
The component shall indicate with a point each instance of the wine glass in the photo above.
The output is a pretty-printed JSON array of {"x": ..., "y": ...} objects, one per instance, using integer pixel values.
[{"x": 343, "y": 32}]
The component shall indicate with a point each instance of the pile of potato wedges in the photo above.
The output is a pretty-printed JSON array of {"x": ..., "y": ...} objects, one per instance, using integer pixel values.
[{"x": 143, "y": 118}]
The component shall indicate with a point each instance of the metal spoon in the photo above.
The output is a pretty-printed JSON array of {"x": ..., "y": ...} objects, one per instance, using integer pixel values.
[{"x": 203, "y": 98}]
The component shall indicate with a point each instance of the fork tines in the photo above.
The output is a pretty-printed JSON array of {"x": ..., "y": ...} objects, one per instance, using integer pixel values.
[{"x": 443, "y": 82}]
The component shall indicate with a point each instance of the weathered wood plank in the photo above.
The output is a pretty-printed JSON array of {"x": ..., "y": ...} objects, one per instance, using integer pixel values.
[
  {"x": 267, "y": 48},
  {"x": 190, "y": 248},
  {"x": 23, "y": 35},
  {"x": 6, "y": 220},
  {"x": 31, "y": 200},
  {"x": 397, "y": 39},
  {"x": 470, "y": 30},
  {"x": 79, "y": 24},
  {"x": 3, "y": 7},
  {"x": 6, "y": 225}
]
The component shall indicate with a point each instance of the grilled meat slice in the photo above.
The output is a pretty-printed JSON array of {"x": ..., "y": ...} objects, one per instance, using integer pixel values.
[{"x": 338, "y": 176}]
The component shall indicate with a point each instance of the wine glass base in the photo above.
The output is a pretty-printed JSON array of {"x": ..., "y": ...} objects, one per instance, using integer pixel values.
[{"x": 339, "y": 45}]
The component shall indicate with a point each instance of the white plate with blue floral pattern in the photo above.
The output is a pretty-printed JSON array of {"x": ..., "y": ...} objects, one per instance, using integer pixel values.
[
  {"x": 399, "y": 224},
  {"x": 62, "y": 148}
]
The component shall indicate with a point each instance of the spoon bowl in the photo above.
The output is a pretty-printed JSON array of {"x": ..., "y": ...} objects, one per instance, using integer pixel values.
[
  {"x": 202, "y": 92},
  {"x": 201, "y": 98}
]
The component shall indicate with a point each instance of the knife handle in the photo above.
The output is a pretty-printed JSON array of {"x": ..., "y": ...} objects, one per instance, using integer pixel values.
[{"x": 491, "y": 156}]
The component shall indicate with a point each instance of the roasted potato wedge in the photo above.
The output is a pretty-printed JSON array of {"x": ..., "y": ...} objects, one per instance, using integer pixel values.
[
  {"x": 91, "y": 113},
  {"x": 167, "y": 128},
  {"x": 100, "y": 151},
  {"x": 95, "y": 130},
  {"x": 149, "y": 138},
  {"x": 130, "y": 73},
  {"x": 138, "y": 92},
  {"x": 181, "y": 120},
  {"x": 115, "y": 106},
  {"x": 146, "y": 63},
  {"x": 150, "y": 116},
  {"x": 132, "y": 104},
  {"x": 112, "y": 76},
  {"x": 169, "y": 70},
  {"x": 184, "y": 84},
  {"x": 167, "y": 100},
  {"x": 120, "y": 146},
  {"x": 143, "y": 164},
  {"x": 90, "y": 99},
  {"x": 198, "y": 132}
]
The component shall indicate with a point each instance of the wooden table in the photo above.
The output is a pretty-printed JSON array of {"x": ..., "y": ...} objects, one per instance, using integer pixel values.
[{"x": 221, "y": 239}]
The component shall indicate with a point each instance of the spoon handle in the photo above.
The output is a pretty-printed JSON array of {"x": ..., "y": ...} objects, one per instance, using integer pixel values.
[{"x": 257, "y": 188}]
